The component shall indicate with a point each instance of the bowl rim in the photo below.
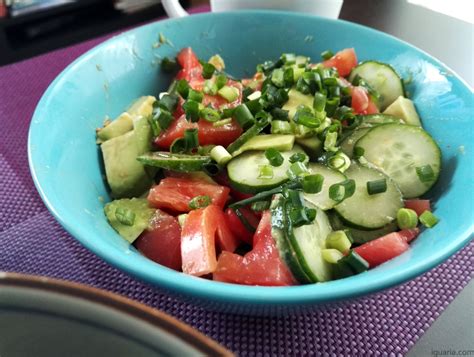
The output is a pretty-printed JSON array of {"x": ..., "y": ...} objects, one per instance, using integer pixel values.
[{"x": 241, "y": 294}]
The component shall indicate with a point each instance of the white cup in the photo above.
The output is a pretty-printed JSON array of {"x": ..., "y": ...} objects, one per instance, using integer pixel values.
[{"x": 325, "y": 8}]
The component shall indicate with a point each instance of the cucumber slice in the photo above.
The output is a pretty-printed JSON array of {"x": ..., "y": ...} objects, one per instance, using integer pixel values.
[
  {"x": 397, "y": 150},
  {"x": 347, "y": 145},
  {"x": 360, "y": 236},
  {"x": 313, "y": 146},
  {"x": 382, "y": 78},
  {"x": 283, "y": 244},
  {"x": 404, "y": 109},
  {"x": 244, "y": 171},
  {"x": 174, "y": 162},
  {"x": 321, "y": 199},
  {"x": 370, "y": 120},
  {"x": 279, "y": 142},
  {"x": 369, "y": 211},
  {"x": 308, "y": 242}
]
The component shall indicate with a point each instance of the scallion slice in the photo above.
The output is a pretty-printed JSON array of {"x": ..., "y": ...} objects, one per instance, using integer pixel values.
[
  {"x": 221, "y": 81},
  {"x": 281, "y": 127},
  {"x": 339, "y": 162},
  {"x": 299, "y": 156},
  {"x": 338, "y": 192},
  {"x": 182, "y": 87},
  {"x": 305, "y": 116},
  {"x": 243, "y": 116},
  {"x": 210, "y": 87},
  {"x": 163, "y": 117},
  {"x": 274, "y": 157},
  {"x": 228, "y": 93},
  {"x": 313, "y": 183},
  {"x": 278, "y": 78},
  {"x": 195, "y": 95},
  {"x": 331, "y": 256},
  {"x": 296, "y": 169},
  {"x": 220, "y": 155},
  {"x": 428, "y": 219},
  {"x": 425, "y": 173},
  {"x": 407, "y": 218},
  {"x": 200, "y": 202},
  {"x": 338, "y": 240},
  {"x": 327, "y": 55},
  {"x": 265, "y": 171},
  {"x": 168, "y": 102},
  {"x": 376, "y": 186},
  {"x": 191, "y": 138},
  {"x": 260, "y": 206},
  {"x": 168, "y": 64},
  {"x": 319, "y": 102},
  {"x": 210, "y": 115},
  {"x": 191, "y": 109},
  {"x": 222, "y": 122},
  {"x": 208, "y": 70}
]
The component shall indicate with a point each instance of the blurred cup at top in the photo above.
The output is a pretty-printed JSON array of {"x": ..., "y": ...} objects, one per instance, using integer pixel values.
[{"x": 324, "y": 8}]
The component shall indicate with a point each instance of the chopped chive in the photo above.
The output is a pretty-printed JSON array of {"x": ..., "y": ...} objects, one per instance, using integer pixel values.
[
  {"x": 222, "y": 122},
  {"x": 327, "y": 55},
  {"x": 300, "y": 216},
  {"x": 331, "y": 106},
  {"x": 428, "y": 219},
  {"x": 260, "y": 206},
  {"x": 288, "y": 77},
  {"x": 254, "y": 106},
  {"x": 319, "y": 102},
  {"x": 243, "y": 116},
  {"x": 182, "y": 87},
  {"x": 339, "y": 162},
  {"x": 331, "y": 256},
  {"x": 250, "y": 133},
  {"x": 168, "y": 102},
  {"x": 288, "y": 58},
  {"x": 163, "y": 117},
  {"x": 281, "y": 127},
  {"x": 168, "y": 64},
  {"x": 125, "y": 216},
  {"x": 220, "y": 155},
  {"x": 299, "y": 156},
  {"x": 209, "y": 114},
  {"x": 338, "y": 192},
  {"x": 191, "y": 138},
  {"x": 228, "y": 93},
  {"x": 178, "y": 146},
  {"x": 334, "y": 91},
  {"x": 330, "y": 141},
  {"x": 195, "y": 95},
  {"x": 278, "y": 77},
  {"x": 265, "y": 171},
  {"x": 191, "y": 109},
  {"x": 279, "y": 114},
  {"x": 425, "y": 173},
  {"x": 200, "y": 202},
  {"x": 304, "y": 116},
  {"x": 330, "y": 81},
  {"x": 210, "y": 87},
  {"x": 208, "y": 70},
  {"x": 296, "y": 169},
  {"x": 338, "y": 240},
  {"x": 358, "y": 152},
  {"x": 221, "y": 81},
  {"x": 294, "y": 197},
  {"x": 274, "y": 157},
  {"x": 246, "y": 92},
  {"x": 376, "y": 186},
  {"x": 407, "y": 218},
  {"x": 313, "y": 183}
]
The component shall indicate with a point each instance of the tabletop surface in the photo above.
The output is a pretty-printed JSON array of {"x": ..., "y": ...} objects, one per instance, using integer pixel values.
[{"x": 31, "y": 241}]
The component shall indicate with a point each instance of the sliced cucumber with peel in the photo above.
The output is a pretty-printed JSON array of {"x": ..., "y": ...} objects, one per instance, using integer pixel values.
[
  {"x": 347, "y": 145},
  {"x": 321, "y": 199},
  {"x": 382, "y": 78},
  {"x": 398, "y": 150},
  {"x": 244, "y": 171},
  {"x": 370, "y": 120},
  {"x": 366, "y": 211}
]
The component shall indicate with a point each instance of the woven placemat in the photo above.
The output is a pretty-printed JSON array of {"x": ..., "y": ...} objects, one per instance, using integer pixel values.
[{"x": 32, "y": 242}]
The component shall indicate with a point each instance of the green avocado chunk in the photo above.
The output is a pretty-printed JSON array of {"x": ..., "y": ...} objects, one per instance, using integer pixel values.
[
  {"x": 129, "y": 217},
  {"x": 120, "y": 126}
]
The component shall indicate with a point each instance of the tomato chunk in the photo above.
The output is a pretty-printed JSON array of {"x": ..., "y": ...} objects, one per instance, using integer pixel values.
[
  {"x": 226, "y": 240},
  {"x": 174, "y": 193},
  {"x": 360, "y": 99},
  {"x": 198, "y": 252},
  {"x": 409, "y": 234},
  {"x": 419, "y": 206},
  {"x": 161, "y": 242},
  {"x": 261, "y": 266},
  {"x": 207, "y": 133},
  {"x": 343, "y": 61},
  {"x": 384, "y": 248},
  {"x": 236, "y": 225},
  {"x": 191, "y": 69}
]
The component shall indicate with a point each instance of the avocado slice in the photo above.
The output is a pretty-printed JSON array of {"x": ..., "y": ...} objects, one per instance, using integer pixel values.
[
  {"x": 281, "y": 142},
  {"x": 143, "y": 106},
  {"x": 404, "y": 109},
  {"x": 136, "y": 208},
  {"x": 126, "y": 176},
  {"x": 119, "y": 126},
  {"x": 295, "y": 99}
]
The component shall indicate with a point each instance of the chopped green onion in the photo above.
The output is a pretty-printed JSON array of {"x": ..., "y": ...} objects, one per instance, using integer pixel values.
[
  {"x": 210, "y": 115},
  {"x": 221, "y": 81},
  {"x": 191, "y": 109},
  {"x": 305, "y": 116},
  {"x": 208, "y": 70},
  {"x": 319, "y": 102},
  {"x": 278, "y": 77},
  {"x": 182, "y": 87},
  {"x": 294, "y": 197},
  {"x": 407, "y": 218},
  {"x": 163, "y": 117},
  {"x": 330, "y": 81},
  {"x": 200, "y": 202},
  {"x": 355, "y": 262},
  {"x": 228, "y": 93},
  {"x": 288, "y": 58},
  {"x": 243, "y": 116},
  {"x": 210, "y": 87},
  {"x": 220, "y": 155},
  {"x": 340, "y": 162},
  {"x": 299, "y": 156},
  {"x": 330, "y": 141},
  {"x": 205, "y": 150},
  {"x": 428, "y": 219},
  {"x": 265, "y": 172},
  {"x": 331, "y": 256},
  {"x": 222, "y": 122},
  {"x": 338, "y": 240},
  {"x": 331, "y": 106},
  {"x": 338, "y": 192},
  {"x": 296, "y": 169},
  {"x": 227, "y": 113},
  {"x": 195, "y": 95},
  {"x": 300, "y": 216},
  {"x": 168, "y": 102},
  {"x": 274, "y": 157},
  {"x": 302, "y": 86},
  {"x": 254, "y": 106},
  {"x": 125, "y": 216},
  {"x": 280, "y": 114},
  {"x": 358, "y": 152},
  {"x": 246, "y": 92},
  {"x": 168, "y": 64},
  {"x": 288, "y": 77},
  {"x": 297, "y": 73},
  {"x": 260, "y": 206},
  {"x": 212, "y": 168},
  {"x": 255, "y": 95},
  {"x": 327, "y": 55},
  {"x": 425, "y": 173},
  {"x": 313, "y": 183},
  {"x": 250, "y": 133},
  {"x": 334, "y": 91},
  {"x": 191, "y": 138},
  {"x": 281, "y": 127},
  {"x": 178, "y": 146},
  {"x": 376, "y": 186},
  {"x": 217, "y": 61}
]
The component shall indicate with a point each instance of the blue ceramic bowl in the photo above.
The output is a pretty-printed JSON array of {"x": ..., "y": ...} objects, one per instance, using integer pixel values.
[{"x": 66, "y": 166}]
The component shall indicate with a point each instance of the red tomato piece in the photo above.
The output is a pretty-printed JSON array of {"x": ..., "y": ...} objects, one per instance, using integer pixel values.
[
  {"x": 226, "y": 239},
  {"x": 236, "y": 225},
  {"x": 371, "y": 108},
  {"x": 383, "y": 249},
  {"x": 198, "y": 251},
  {"x": 217, "y": 101},
  {"x": 174, "y": 193},
  {"x": 261, "y": 266},
  {"x": 191, "y": 68},
  {"x": 161, "y": 242},
  {"x": 409, "y": 234},
  {"x": 360, "y": 99},
  {"x": 343, "y": 61},
  {"x": 419, "y": 206},
  {"x": 207, "y": 133}
]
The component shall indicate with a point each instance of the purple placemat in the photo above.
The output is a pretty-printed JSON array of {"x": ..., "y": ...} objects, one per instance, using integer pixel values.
[{"x": 32, "y": 242}]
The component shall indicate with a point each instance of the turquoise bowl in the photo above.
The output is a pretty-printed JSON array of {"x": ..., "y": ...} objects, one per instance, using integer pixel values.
[{"x": 66, "y": 166}]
